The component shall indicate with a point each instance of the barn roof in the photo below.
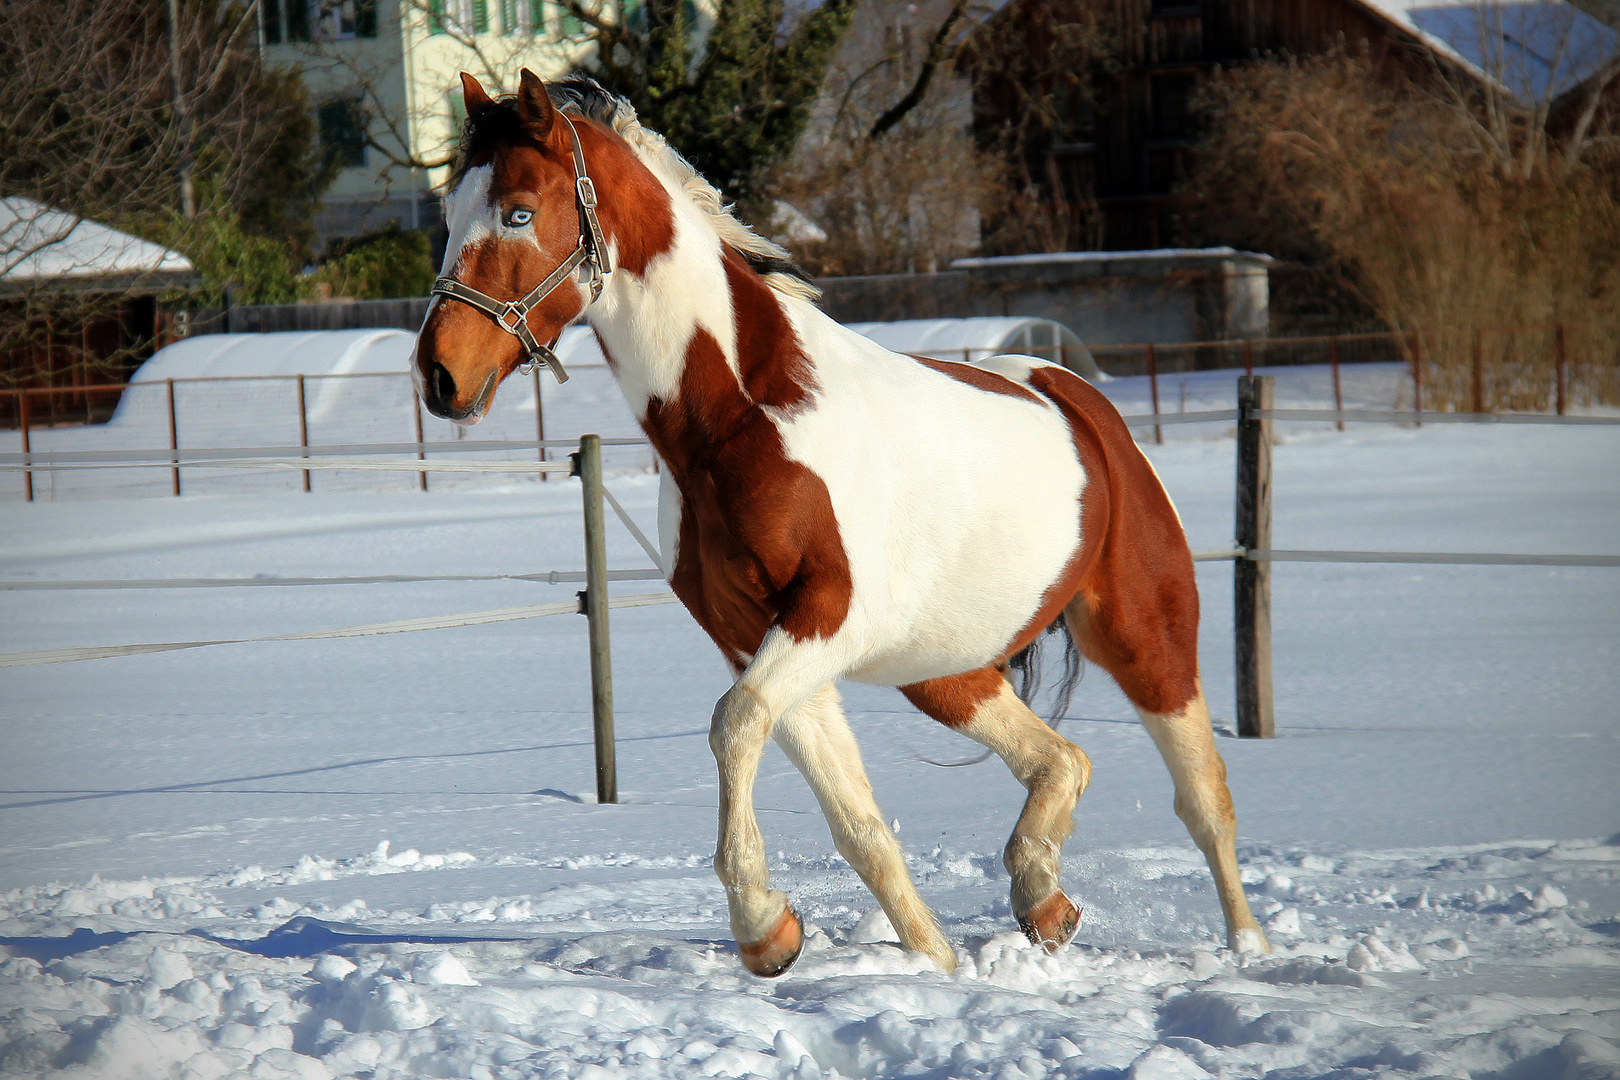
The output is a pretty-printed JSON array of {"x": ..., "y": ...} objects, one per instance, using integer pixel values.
[{"x": 39, "y": 244}]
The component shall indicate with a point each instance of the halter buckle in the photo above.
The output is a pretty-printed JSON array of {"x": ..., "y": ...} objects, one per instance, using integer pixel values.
[
  {"x": 586, "y": 191},
  {"x": 512, "y": 316}
]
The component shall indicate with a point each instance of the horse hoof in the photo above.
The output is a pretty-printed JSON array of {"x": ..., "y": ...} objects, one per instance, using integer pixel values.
[
  {"x": 776, "y": 951},
  {"x": 1051, "y": 923}
]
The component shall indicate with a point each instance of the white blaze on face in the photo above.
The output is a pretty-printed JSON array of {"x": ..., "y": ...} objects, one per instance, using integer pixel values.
[{"x": 469, "y": 216}]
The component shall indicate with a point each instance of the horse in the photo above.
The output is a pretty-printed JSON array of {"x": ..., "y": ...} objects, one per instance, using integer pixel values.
[{"x": 830, "y": 509}]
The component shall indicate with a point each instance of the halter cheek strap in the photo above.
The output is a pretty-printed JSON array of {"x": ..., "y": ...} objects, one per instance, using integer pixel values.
[{"x": 589, "y": 256}]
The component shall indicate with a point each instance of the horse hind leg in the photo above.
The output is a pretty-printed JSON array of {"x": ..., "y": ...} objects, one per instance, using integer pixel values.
[
  {"x": 817, "y": 739},
  {"x": 981, "y": 705},
  {"x": 1155, "y": 663},
  {"x": 1204, "y": 804}
]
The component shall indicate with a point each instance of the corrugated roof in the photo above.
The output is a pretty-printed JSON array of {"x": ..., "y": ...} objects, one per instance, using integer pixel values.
[{"x": 1527, "y": 47}]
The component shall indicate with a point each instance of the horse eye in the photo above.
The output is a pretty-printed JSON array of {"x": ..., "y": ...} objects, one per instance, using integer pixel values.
[{"x": 518, "y": 217}]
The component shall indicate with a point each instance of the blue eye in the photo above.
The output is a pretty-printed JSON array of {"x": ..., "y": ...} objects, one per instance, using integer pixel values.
[{"x": 518, "y": 217}]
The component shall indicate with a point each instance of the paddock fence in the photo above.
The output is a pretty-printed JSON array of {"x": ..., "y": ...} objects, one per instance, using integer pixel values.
[
  {"x": 1523, "y": 368},
  {"x": 1252, "y": 553}
]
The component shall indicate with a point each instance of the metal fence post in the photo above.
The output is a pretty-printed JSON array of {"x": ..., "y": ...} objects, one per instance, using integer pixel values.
[
  {"x": 1417, "y": 378},
  {"x": 1251, "y": 608},
  {"x": 1153, "y": 385},
  {"x": 174, "y": 438},
  {"x": 1559, "y": 361},
  {"x": 421, "y": 447},
  {"x": 540, "y": 422},
  {"x": 1338, "y": 390},
  {"x": 27, "y": 444},
  {"x": 303, "y": 428},
  {"x": 1479, "y": 371},
  {"x": 588, "y": 467}
]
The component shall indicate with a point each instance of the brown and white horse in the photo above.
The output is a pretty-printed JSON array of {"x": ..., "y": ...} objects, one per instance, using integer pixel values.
[{"x": 832, "y": 510}]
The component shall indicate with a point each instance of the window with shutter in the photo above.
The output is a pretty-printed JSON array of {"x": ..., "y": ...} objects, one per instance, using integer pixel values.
[{"x": 343, "y": 131}]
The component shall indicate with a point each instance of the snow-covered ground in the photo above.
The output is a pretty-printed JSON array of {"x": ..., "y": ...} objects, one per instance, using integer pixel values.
[{"x": 1431, "y": 839}]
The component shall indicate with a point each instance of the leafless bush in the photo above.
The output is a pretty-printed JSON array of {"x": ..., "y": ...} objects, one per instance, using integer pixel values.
[{"x": 1451, "y": 213}]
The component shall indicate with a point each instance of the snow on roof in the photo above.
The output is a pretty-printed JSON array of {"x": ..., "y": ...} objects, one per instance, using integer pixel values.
[
  {"x": 1529, "y": 47},
  {"x": 315, "y": 352},
  {"x": 38, "y": 243},
  {"x": 342, "y": 352}
]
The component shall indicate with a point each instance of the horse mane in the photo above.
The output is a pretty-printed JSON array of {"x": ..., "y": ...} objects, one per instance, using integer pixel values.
[{"x": 588, "y": 98}]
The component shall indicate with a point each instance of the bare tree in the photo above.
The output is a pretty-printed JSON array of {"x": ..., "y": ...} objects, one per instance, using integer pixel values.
[
  {"x": 152, "y": 117},
  {"x": 888, "y": 169}
]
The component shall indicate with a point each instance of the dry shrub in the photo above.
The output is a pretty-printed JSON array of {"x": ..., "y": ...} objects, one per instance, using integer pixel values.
[{"x": 1388, "y": 182}]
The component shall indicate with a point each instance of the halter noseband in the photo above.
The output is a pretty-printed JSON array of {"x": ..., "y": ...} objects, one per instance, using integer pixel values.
[{"x": 590, "y": 254}]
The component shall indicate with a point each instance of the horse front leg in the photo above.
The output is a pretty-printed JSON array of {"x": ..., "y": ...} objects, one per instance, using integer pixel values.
[
  {"x": 816, "y": 738},
  {"x": 783, "y": 674}
]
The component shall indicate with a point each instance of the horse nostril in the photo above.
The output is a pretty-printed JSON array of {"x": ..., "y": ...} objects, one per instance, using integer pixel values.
[{"x": 441, "y": 387}]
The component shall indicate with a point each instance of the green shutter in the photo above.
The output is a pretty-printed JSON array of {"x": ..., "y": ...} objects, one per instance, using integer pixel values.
[
  {"x": 480, "y": 16},
  {"x": 435, "y": 16},
  {"x": 365, "y": 18},
  {"x": 297, "y": 20}
]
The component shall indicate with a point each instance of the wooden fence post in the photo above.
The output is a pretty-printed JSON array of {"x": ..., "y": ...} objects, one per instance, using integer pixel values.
[
  {"x": 1479, "y": 371},
  {"x": 174, "y": 438},
  {"x": 1251, "y": 608},
  {"x": 588, "y": 467}
]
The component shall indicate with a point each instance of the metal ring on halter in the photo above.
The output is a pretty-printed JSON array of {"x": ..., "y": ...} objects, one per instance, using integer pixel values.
[{"x": 589, "y": 254}]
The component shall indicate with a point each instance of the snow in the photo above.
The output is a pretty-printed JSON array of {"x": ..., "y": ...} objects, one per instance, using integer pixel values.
[{"x": 382, "y": 857}]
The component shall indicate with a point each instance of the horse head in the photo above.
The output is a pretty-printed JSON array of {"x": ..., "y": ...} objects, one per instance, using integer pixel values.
[{"x": 520, "y": 241}]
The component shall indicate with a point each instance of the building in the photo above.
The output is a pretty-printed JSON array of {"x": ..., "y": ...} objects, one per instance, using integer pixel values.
[
  {"x": 383, "y": 74},
  {"x": 78, "y": 310},
  {"x": 1108, "y": 165}
]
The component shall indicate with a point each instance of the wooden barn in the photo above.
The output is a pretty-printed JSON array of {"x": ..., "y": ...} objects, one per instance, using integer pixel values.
[{"x": 1107, "y": 156}]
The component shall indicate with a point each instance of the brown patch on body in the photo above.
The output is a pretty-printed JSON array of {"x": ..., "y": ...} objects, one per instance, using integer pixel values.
[
  {"x": 954, "y": 699},
  {"x": 1134, "y": 608},
  {"x": 759, "y": 543},
  {"x": 977, "y": 377}
]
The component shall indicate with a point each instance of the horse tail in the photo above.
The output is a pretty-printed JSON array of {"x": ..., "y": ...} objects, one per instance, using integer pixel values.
[{"x": 1027, "y": 664}]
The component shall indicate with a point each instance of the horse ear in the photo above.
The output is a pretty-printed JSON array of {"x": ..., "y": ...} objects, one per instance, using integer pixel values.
[
  {"x": 473, "y": 95},
  {"x": 534, "y": 106}
]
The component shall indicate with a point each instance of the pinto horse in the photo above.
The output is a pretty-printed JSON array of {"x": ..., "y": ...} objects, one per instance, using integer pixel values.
[{"x": 830, "y": 509}]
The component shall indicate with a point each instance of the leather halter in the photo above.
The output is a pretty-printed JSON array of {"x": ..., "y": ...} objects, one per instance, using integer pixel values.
[{"x": 590, "y": 255}]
